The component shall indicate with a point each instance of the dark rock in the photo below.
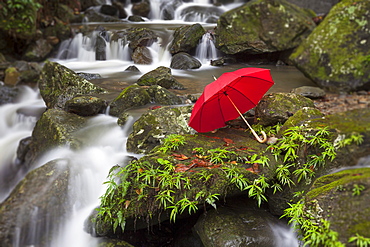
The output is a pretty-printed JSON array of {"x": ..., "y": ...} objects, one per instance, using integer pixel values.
[
  {"x": 23, "y": 148},
  {"x": 89, "y": 76},
  {"x": 142, "y": 55},
  {"x": 160, "y": 76},
  {"x": 135, "y": 18},
  {"x": 109, "y": 10},
  {"x": 85, "y": 4},
  {"x": 237, "y": 224},
  {"x": 153, "y": 126},
  {"x": 92, "y": 14},
  {"x": 140, "y": 37},
  {"x": 218, "y": 62},
  {"x": 310, "y": 92},
  {"x": 7, "y": 94},
  {"x": 86, "y": 105},
  {"x": 278, "y": 107},
  {"x": 100, "y": 48},
  {"x": 183, "y": 60},
  {"x": 262, "y": 27},
  {"x": 122, "y": 14},
  {"x": 132, "y": 68},
  {"x": 168, "y": 8},
  {"x": 38, "y": 51},
  {"x": 141, "y": 8},
  {"x": 335, "y": 55},
  {"x": 59, "y": 84},
  {"x": 30, "y": 211},
  {"x": 186, "y": 38},
  {"x": 319, "y": 6}
]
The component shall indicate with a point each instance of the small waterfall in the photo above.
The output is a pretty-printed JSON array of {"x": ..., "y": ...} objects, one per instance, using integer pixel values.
[
  {"x": 206, "y": 49},
  {"x": 284, "y": 236},
  {"x": 16, "y": 122}
]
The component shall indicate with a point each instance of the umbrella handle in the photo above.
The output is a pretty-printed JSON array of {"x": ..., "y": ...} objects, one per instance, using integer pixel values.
[
  {"x": 259, "y": 138},
  {"x": 245, "y": 120}
]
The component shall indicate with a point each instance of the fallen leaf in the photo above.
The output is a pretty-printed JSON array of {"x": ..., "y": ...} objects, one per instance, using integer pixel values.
[
  {"x": 127, "y": 203},
  {"x": 180, "y": 156}
]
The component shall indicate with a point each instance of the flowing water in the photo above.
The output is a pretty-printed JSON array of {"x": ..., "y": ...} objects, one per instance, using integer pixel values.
[{"x": 106, "y": 140}]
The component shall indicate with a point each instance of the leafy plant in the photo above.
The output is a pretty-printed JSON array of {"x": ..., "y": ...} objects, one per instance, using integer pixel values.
[
  {"x": 172, "y": 142},
  {"x": 361, "y": 241},
  {"x": 357, "y": 189}
]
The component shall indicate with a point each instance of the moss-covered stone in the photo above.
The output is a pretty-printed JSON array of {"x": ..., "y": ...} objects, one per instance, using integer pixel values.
[
  {"x": 343, "y": 201},
  {"x": 24, "y": 209},
  {"x": 131, "y": 96},
  {"x": 55, "y": 128},
  {"x": 262, "y": 26},
  {"x": 301, "y": 116},
  {"x": 186, "y": 38},
  {"x": 155, "y": 125},
  {"x": 86, "y": 105},
  {"x": 163, "y": 96},
  {"x": 335, "y": 54},
  {"x": 160, "y": 76},
  {"x": 278, "y": 107},
  {"x": 59, "y": 84}
]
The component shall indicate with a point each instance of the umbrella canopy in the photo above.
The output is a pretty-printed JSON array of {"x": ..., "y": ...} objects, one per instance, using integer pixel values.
[{"x": 232, "y": 94}]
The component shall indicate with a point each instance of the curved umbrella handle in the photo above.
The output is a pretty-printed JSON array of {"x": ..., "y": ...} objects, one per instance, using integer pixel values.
[{"x": 259, "y": 138}]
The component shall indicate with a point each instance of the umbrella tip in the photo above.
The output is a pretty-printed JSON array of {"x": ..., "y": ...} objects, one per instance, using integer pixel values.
[{"x": 214, "y": 77}]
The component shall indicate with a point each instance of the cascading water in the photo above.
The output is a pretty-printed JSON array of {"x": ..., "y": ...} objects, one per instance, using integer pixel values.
[
  {"x": 206, "y": 49},
  {"x": 16, "y": 122}
]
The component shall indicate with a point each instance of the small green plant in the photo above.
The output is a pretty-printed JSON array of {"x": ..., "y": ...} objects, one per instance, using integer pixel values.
[
  {"x": 172, "y": 142},
  {"x": 357, "y": 189},
  {"x": 360, "y": 240},
  {"x": 219, "y": 155}
]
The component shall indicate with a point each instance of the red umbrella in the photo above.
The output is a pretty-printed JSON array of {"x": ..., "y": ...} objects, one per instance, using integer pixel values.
[{"x": 232, "y": 94}]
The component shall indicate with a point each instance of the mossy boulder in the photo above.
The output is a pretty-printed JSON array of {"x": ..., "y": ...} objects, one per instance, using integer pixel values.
[
  {"x": 38, "y": 50},
  {"x": 336, "y": 54},
  {"x": 55, "y": 128},
  {"x": 237, "y": 224},
  {"x": 186, "y": 38},
  {"x": 342, "y": 199},
  {"x": 278, "y": 107},
  {"x": 22, "y": 211},
  {"x": 155, "y": 125},
  {"x": 86, "y": 105},
  {"x": 162, "y": 96},
  {"x": 262, "y": 26},
  {"x": 59, "y": 84},
  {"x": 342, "y": 126},
  {"x": 160, "y": 76},
  {"x": 131, "y": 96},
  {"x": 301, "y": 116}
]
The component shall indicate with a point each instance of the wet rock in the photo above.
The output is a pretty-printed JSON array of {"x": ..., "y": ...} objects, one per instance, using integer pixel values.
[
  {"x": 218, "y": 62},
  {"x": 109, "y": 10},
  {"x": 186, "y": 38},
  {"x": 141, "y": 8},
  {"x": 38, "y": 51},
  {"x": 22, "y": 211},
  {"x": 319, "y": 6},
  {"x": 135, "y": 18},
  {"x": 59, "y": 84},
  {"x": 89, "y": 76},
  {"x": 85, "y": 4},
  {"x": 237, "y": 224},
  {"x": 153, "y": 126},
  {"x": 163, "y": 96},
  {"x": 93, "y": 15},
  {"x": 7, "y": 94},
  {"x": 138, "y": 36},
  {"x": 86, "y": 105},
  {"x": 55, "y": 128},
  {"x": 142, "y": 55},
  {"x": 352, "y": 217},
  {"x": 309, "y": 92},
  {"x": 183, "y": 60},
  {"x": 132, "y": 68},
  {"x": 160, "y": 76},
  {"x": 278, "y": 107},
  {"x": 131, "y": 96},
  {"x": 335, "y": 54},
  {"x": 122, "y": 14},
  {"x": 262, "y": 26},
  {"x": 100, "y": 47},
  {"x": 168, "y": 8}
]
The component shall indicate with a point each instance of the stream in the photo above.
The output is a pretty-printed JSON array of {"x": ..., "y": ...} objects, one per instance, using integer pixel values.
[{"x": 107, "y": 141}]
